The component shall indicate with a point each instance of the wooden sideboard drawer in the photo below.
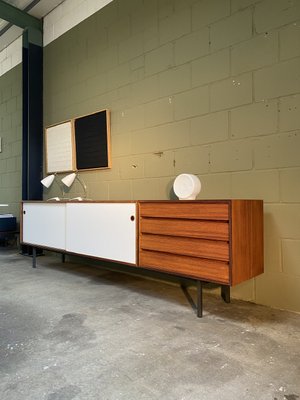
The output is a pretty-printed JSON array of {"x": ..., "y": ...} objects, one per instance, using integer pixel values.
[
  {"x": 229, "y": 231},
  {"x": 211, "y": 249},
  {"x": 189, "y": 210},
  {"x": 198, "y": 268},
  {"x": 218, "y": 230}
]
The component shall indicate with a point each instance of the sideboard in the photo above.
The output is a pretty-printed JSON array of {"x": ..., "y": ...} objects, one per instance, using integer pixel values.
[{"x": 217, "y": 241}]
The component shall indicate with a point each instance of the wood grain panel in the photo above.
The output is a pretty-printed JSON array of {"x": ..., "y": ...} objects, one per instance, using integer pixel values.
[
  {"x": 198, "y": 268},
  {"x": 186, "y": 228},
  {"x": 247, "y": 239},
  {"x": 190, "y": 210},
  {"x": 212, "y": 249}
]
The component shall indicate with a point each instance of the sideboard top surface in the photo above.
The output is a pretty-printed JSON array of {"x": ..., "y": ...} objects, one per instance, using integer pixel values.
[{"x": 140, "y": 201}]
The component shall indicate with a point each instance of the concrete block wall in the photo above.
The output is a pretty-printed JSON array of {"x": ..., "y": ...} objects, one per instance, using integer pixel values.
[
  {"x": 68, "y": 15},
  {"x": 59, "y": 21},
  {"x": 11, "y": 56},
  {"x": 210, "y": 87},
  {"x": 11, "y": 134}
]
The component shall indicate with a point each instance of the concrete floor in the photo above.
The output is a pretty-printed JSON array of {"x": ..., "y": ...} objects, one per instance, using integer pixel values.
[{"x": 74, "y": 332}]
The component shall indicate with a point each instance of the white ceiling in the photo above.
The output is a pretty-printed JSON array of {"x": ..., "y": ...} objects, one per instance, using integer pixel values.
[{"x": 40, "y": 9}]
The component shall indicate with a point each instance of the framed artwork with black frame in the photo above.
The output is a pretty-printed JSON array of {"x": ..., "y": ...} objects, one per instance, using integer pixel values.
[{"x": 92, "y": 141}]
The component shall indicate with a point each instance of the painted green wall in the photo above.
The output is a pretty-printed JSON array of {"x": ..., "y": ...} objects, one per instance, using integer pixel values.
[
  {"x": 11, "y": 133},
  {"x": 207, "y": 87}
]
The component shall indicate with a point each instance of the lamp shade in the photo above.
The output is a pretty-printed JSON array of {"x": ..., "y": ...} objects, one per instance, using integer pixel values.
[
  {"x": 69, "y": 179},
  {"x": 187, "y": 186},
  {"x": 47, "y": 182}
]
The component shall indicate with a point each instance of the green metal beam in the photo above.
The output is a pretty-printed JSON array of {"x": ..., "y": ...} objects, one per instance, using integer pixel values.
[{"x": 18, "y": 17}]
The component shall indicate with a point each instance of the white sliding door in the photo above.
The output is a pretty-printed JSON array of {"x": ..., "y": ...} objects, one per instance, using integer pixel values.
[
  {"x": 105, "y": 230},
  {"x": 44, "y": 224}
]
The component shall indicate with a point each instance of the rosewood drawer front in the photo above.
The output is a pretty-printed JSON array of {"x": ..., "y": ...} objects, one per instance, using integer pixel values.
[
  {"x": 187, "y": 239},
  {"x": 217, "y": 230},
  {"x": 211, "y": 249},
  {"x": 193, "y": 267},
  {"x": 206, "y": 211}
]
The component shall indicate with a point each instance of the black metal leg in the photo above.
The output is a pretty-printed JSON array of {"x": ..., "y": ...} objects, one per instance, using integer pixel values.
[
  {"x": 196, "y": 307},
  {"x": 189, "y": 297},
  {"x": 225, "y": 293},
  {"x": 199, "y": 300},
  {"x": 63, "y": 257},
  {"x": 33, "y": 257}
]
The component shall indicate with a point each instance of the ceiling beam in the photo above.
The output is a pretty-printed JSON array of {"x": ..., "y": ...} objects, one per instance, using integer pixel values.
[{"x": 18, "y": 17}]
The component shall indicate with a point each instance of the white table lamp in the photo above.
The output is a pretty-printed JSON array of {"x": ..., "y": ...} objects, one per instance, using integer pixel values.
[
  {"x": 187, "y": 186},
  {"x": 68, "y": 181},
  {"x": 48, "y": 180}
]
